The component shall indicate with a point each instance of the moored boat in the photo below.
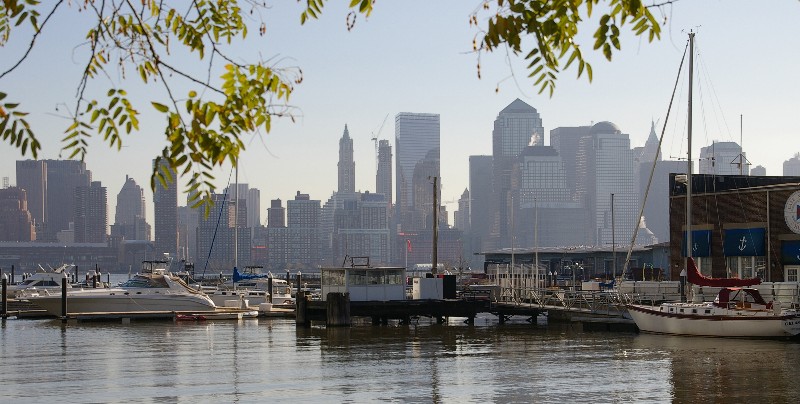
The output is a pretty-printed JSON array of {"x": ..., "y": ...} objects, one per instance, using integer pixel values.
[{"x": 154, "y": 289}]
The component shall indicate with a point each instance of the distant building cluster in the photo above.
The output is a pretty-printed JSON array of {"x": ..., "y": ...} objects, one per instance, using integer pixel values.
[{"x": 583, "y": 189}]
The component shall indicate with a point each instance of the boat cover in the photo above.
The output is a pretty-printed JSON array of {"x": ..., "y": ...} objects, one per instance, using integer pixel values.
[{"x": 695, "y": 277}]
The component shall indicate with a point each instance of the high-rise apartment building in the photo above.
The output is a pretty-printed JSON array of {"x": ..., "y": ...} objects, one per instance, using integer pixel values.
[
  {"x": 362, "y": 229},
  {"x": 130, "y": 219},
  {"x": 417, "y": 162},
  {"x": 303, "y": 243},
  {"x": 346, "y": 165},
  {"x": 481, "y": 215},
  {"x": 276, "y": 214},
  {"x": 253, "y": 208},
  {"x": 91, "y": 213},
  {"x": 165, "y": 208},
  {"x": 759, "y": 171},
  {"x": 63, "y": 177},
  {"x": 220, "y": 242}
]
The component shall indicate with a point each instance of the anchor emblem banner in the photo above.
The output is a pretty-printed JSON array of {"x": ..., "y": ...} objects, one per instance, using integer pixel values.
[
  {"x": 744, "y": 242},
  {"x": 701, "y": 243}
]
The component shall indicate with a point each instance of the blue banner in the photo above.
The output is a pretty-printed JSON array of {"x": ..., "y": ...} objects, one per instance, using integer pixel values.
[
  {"x": 744, "y": 243},
  {"x": 790, "y": 252},
  {"x": 701, "y": 243}
]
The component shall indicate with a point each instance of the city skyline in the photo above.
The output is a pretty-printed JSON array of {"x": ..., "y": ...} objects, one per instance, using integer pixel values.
[{"x": 388, "y": 68}]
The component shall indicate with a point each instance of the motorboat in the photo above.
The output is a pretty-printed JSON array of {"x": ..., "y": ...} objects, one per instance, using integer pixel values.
[
  {"x": 253, "y": 287},
  {"x": 43, "y": 279},
  {"x": 737, "y": 311},
  {"x": 154, "y": 289}
]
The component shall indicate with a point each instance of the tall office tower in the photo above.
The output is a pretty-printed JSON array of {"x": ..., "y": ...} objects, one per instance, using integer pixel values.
[
  {"x": 91, "y": 213},
  {"x": 605, "y": 167},
  {"x": 253, "y": 208},
  {"x": 347, "y": 167},
  {"x": 16, "y": 223},
  {"x": 759, "y": 171},
  {"x": 417, "y": 159},
  {"x": 165, "y": 208},
  {"x": 383, "y": 178},
  {"x": 32, "y": 177},
  {"x": 650, "y": 152},
  {"x": 517, "y": 126},
  {"x": 303, "y": 216},
  {"x": 566, "y": 140},
  {"x": 723, "y": 158},
  {"x": 63, "y": 177},
  {"x": 791, "y": 167},
  {"x": 188, "y": 222},
  {"x": 481, "y": 216},
  {"x": 130, "y": 219}
]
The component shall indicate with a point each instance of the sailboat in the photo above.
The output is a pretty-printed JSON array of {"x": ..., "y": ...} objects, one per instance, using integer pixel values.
[{"x": 737, "y": 311}]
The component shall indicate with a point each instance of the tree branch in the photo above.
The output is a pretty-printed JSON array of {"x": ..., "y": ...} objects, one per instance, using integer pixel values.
[{"x": 33, "y": 40}]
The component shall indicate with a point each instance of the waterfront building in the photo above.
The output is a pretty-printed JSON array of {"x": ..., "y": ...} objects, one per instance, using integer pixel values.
[
  {"x": 16, "y": 222},
  {"x": 27, "y": 256},
  {"x": 417, "y": 161},
  {"x": 791, "y": 167},
  {"x": 165, "y": 208},
  {"x": 742, "y": 226},
  {"x": 91, "y": 213},
  {"x": 129, "y": 219},
  {"x": 723, "y": 158}
]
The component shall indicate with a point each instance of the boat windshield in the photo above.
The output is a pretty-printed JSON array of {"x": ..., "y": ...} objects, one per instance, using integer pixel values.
[{"x": 145, "y": 282}]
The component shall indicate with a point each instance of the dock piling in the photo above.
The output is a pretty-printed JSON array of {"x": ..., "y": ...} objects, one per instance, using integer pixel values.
[
  {"x": 64, "y": 299},
  {"x": 338, "y": 309},
  {"x": 4, "y": 306}
]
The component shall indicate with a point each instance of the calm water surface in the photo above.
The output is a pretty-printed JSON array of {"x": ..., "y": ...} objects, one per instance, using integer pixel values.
[{"x": 268, "y": 360}]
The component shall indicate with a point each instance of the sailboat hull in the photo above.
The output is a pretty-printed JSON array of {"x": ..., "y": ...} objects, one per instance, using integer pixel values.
[{"x": 690, "y": 319}]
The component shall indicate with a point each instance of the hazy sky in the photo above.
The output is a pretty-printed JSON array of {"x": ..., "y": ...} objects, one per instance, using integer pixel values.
[{"x": 415, "y": 56}]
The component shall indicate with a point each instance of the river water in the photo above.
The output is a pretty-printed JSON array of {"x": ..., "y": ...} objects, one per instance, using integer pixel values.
[{"x": 268, "y": 360}]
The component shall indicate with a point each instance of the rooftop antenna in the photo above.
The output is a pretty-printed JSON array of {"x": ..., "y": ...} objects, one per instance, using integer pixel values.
[{"x": 741, "y": 160}]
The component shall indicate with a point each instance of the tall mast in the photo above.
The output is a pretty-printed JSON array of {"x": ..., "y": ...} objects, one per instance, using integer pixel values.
[
  {"x": 236, "y": 218},
  {"x": 435, "y": 255},
  {"x": 689, "y": 153}
]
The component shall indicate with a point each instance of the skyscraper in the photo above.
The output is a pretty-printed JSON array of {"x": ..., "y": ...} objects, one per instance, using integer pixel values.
[
  {"x": 32, "y": 177},
  {"x": 417, "y": 160},
  {"x": 91, "y": 213},
  {"x": 303, "y": 214},
  {"x": 791, "y": 167},
  {"x": 347, "y": 167},
  {"x": 165, "y": 208},
  {"x": 130, "y": 219},
  {"x": 253, "y": 207},
  {"x": 606, "y": 167},
  {"x": 63, "y": 177},
  {"x": 16, "y": 223},
  {"x": 383, "y": 178},
  {"x": 481, "y": 215},
  {"x": 517, "y": 126}
]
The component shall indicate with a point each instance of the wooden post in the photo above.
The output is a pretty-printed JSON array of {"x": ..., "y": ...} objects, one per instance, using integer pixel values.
[
  {"x": 269, "y": 287},
  {"x": 64, "y": 298},
  {"x": 4, "y": 306},
  {"x": 301, "y": 311},
  {"x": 299, "y": 278},
  {"x": 12, "y": 275},
  {"x": 338, "y": 309}
]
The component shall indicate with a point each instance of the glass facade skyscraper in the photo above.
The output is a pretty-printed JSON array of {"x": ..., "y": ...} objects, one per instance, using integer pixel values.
[{"x": 417, "y": 160}]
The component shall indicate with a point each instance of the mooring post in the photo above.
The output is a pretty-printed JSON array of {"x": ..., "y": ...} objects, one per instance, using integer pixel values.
[
  {"x": 299, "y": 278},
  {"x": 338, "y": 309},
  {"x": 269, "y": 286},
  {"x": 301, "y": 311},
  {"x": 4, "y": 306},
  {"x": 12, "y": 275},
  {"x": 64, "y": 298},
  {"x": 76, "y": 274}
]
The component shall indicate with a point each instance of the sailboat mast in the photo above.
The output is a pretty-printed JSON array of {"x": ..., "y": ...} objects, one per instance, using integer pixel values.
[
  {"x": 689, "y": 153},
  {"x": 236, "y": 218}
]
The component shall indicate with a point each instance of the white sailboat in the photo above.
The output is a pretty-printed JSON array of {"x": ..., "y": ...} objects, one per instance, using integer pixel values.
[{"x": 737, "y": 311}]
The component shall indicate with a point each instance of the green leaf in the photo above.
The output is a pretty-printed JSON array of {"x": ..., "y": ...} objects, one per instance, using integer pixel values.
[{"x": 160, "y": 107}]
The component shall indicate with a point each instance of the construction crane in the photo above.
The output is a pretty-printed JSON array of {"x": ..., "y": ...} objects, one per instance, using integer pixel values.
[{"x": 375, "y": 136}]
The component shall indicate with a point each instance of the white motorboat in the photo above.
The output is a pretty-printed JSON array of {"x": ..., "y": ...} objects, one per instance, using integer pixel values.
[
  {"x": 41, "y": 280},
  {"x": 254, "y": 288},
  {"x": 155, "y": 289}
]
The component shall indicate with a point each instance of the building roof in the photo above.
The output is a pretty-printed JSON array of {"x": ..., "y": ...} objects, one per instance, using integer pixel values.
[
  {"x": 548, "y": 151},
  {"x": 605, "y": 128},
  {"x": 518, "y": 107}
]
